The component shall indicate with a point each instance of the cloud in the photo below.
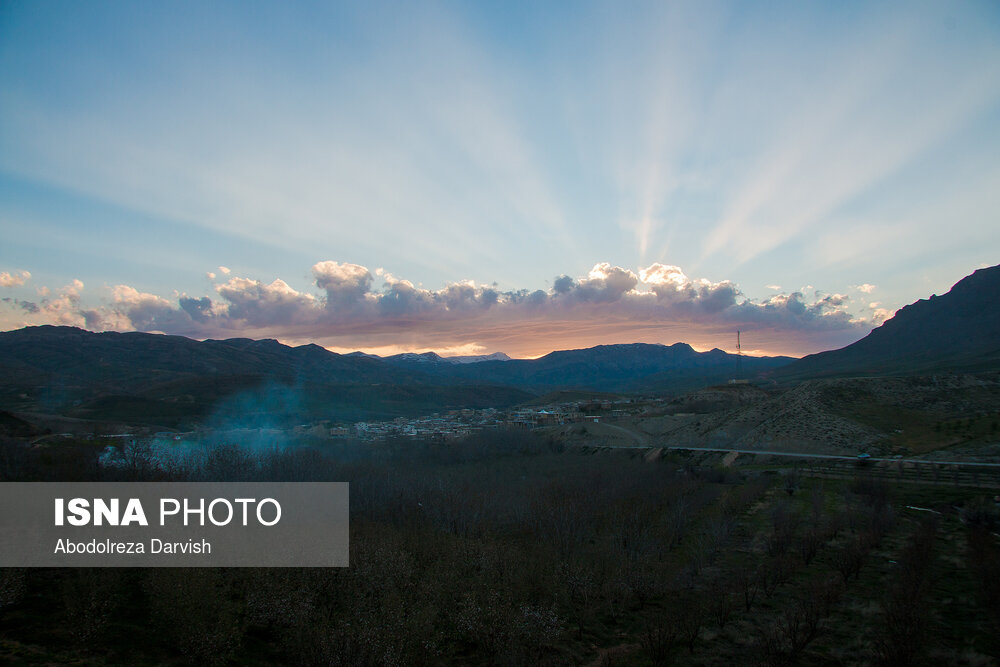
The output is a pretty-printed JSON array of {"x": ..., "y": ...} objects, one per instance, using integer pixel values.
[
  {"x": 254, "y": 303},
  {"x": 147, "y": 312},
  {"x": 656, "y": 303},
  {"x": 345, "y": 284},
  {"x": 73, "y": 289},
  {"x": 198, "y": 310},
  {"x": 16, "y": 279},
  {"x": 662, "y": 274},
  {"x": 673, "y": 287},
  {"x": 563, "y": 284},
  {"x": 604, "y": 283},
  {"x": 63, "y": 309},
  {"x": 880, "y": 315},
  {"x": 225, "y": 270},
  {"x": 866, "y": 288},
  {"x": 768, "y": 127}
]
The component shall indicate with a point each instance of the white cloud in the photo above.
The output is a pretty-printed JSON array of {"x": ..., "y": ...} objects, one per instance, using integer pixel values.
[
  {"x": 880, "y": 315},
  {"x": 73, "y": 289},
  {"x": 344, "y": 284},
  {"x": 255, "y": 303},
  {"x": 351, "y": 312},
  {"x": 16, "y": 279},
  {"x": 63, "y": 309},
  {"x": 660, "y": 274}
]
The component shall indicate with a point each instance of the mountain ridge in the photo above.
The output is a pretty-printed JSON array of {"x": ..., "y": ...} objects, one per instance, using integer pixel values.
[
  {"x": 68, "y": 370},
  {"x": 958, "y": 331}
]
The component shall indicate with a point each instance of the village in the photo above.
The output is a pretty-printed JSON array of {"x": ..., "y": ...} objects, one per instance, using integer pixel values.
[
  {"x": 449, "y": 425},
  {"x": 461, "y": 423}
]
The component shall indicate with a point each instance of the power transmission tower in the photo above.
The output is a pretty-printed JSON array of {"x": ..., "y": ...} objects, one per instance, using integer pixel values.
[{"x": 739, "y": 357}]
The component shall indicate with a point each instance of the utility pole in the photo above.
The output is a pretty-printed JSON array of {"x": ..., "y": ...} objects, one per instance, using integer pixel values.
[{"x": 739, "y": 357}]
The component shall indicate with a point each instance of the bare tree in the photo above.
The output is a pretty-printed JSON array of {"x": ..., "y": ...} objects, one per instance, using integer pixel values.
[
  {"x": 809, "y": 543},
  {"x": 721, "y": 601},
  {"x": 902, "y": 632},
  {"x": 660, "y": 640},
  {"x": 774, "y": 572},
  {"x": 690, "y": 618},
  {"x": 747, "y": 581},
  {"x": 784, "y": 523},
  {"x": 849, "y": 558}
]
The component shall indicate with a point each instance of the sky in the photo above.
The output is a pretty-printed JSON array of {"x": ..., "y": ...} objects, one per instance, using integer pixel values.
[{"x": 473, "y": 177}]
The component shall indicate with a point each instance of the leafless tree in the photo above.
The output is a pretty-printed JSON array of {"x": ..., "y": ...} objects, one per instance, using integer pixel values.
[
  {"x": 747, "y": 582},
  {"x": 902, "y": 630},
  {"x": 849, "y": 558},
  {"x": 690, "y": 616},
  {"x": 773, "y": 573},
  {"x": 784, "y": 523},
  {"x": 721, "y": 601},
  {"x": 783, "y": 640},
  {"x": 660, "y": 640},
  {"x": 809, "y": 543}
]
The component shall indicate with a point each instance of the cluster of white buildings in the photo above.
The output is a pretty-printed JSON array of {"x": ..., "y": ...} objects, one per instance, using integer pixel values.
[
  {"x": 459, "y": 423},
  {"x": 438, "y": 426},
  {"x": 453, "y": 424}
]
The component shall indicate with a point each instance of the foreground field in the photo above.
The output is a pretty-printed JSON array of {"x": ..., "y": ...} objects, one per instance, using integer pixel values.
[{"x": 508, "y": 549}]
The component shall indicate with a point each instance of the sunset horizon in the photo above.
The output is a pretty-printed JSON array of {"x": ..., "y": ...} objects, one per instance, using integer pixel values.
[
  {"x": 469, "y": 180},
  {"x": 463, "y": 332}
]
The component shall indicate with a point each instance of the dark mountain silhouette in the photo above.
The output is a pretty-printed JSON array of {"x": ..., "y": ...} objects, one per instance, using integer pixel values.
[
  {"x": 67, "y": 356},
  {"x": 955, "y": 332},
  {"x": 152, "y": 378},
  {"x": 423, "y": 358},
  {"x": 631, "y": 367}
]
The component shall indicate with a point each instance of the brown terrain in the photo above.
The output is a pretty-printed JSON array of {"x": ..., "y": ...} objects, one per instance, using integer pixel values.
[{"x": 943, "y": 415}]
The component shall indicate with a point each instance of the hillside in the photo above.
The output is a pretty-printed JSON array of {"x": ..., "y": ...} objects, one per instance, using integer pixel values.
[
  {"x": 957, "y": 332},
  {"x": 915, "y": 414}
]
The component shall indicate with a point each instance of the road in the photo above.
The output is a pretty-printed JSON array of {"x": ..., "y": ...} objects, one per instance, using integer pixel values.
[
  {"x": 834, "y": 457},
  {"x": 801, "y": 455}
]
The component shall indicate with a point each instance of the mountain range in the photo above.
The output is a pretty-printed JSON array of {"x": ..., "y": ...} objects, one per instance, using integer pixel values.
[
  {"x": 634, "y": 367},
  {"x": 172, "y": 380},
  {"x": 435, "y": 358}
]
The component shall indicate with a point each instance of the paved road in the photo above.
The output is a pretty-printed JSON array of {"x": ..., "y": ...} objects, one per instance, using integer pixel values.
[
  {"x": 804, "y": 455},
  {"x": 835, "y": 457}
]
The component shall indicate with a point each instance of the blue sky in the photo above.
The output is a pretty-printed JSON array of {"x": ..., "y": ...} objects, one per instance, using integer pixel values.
[{"x": 841, "y": 152}]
